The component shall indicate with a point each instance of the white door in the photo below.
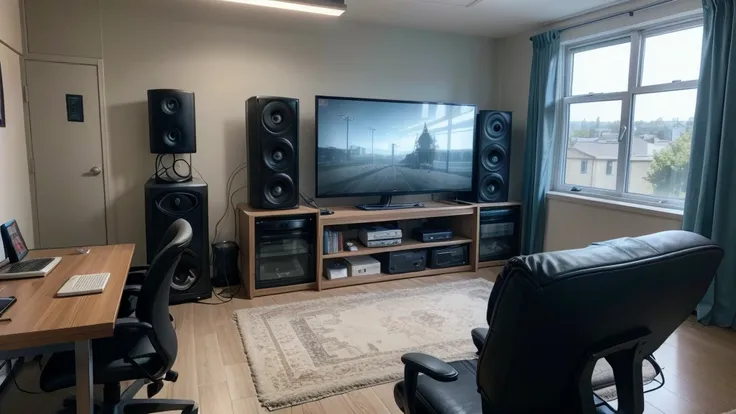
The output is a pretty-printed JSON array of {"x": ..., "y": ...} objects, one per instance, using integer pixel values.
[{"x": 67, "y": 154}]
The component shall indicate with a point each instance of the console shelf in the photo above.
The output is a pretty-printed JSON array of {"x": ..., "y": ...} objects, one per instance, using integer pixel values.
[
  {"x": 463, "y": 219},
  {"x": 406, "y": 244},
  {"x": 383, "y": 277}
]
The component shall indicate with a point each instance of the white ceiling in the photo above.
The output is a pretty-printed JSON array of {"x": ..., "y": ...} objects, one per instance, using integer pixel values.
[{"x": 492, "y": 18}]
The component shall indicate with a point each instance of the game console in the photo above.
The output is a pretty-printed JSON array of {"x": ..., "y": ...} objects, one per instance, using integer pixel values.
[{"x": 427, "y": 235}]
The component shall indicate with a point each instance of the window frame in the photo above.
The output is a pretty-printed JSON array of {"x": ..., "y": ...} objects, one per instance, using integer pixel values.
[{"x": 637, "y": 38}]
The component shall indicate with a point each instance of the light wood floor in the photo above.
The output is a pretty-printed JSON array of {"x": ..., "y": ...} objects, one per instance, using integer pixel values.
[{"x": 699, "y": 363}]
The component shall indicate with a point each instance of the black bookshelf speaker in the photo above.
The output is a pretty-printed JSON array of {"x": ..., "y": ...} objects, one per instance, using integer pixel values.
[
  {"x": 165, "y": 203},
  {"x": 171, "y": 122},
  {"x": 492, "y": 158},
  {"x": 272, "y": 132}
]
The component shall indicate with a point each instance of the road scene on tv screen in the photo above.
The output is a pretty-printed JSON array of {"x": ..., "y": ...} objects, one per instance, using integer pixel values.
[{"x": 385, "y": 147}]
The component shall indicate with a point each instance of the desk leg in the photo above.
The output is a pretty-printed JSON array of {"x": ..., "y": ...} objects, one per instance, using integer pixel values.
[{"x": 85, "y": 382}]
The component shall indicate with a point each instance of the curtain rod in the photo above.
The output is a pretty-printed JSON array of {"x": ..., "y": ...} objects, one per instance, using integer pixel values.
[{"x": 613, "y": 15}]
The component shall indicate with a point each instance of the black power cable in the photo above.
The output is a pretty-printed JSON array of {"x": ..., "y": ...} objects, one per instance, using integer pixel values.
[{"x": 231, "y": 205}]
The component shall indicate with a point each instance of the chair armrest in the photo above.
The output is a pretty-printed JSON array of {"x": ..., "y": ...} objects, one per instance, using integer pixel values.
[
  {"x": 430, "y": 366},
  {"x": 135, "y": 277},
  {"x": 479, "y": 337},
  {"x": 133, "y": 290},
  {"x": 416, "y": 363},
  {"x": 139, "y": 268},
  {"x": 132, "y": 324}
]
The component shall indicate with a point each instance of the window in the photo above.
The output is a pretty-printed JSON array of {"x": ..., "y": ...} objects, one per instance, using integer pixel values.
[
  {"x": 627, "y": 113},
  {"x": 584, "y": 167}
]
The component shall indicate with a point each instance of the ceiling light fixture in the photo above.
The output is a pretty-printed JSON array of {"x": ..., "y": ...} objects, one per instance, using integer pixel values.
[{"x": 326, "y": 7}]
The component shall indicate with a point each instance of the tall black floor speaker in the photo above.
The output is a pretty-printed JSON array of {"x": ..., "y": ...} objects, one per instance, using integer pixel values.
[
  {"x": 492, "y": 157},
  {"x": 165, "y": 203}
]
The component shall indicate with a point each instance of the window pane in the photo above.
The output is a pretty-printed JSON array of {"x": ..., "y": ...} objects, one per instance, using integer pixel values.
[
  {"x": 660, "y": 145},
  {"x": 672, "y": 56},
  {"x": 601, "y": 70},
  {"x": 592, "y": 142}
]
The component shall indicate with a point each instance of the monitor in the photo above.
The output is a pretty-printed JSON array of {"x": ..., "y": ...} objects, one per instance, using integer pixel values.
[
  {"x": 381, "y": 147},
  {"x": 3, "y": 256},
  {"x": 13, "y": 239}
]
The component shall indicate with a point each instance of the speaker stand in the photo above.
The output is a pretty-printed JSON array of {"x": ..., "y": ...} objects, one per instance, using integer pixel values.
[
  {"x": 385, "y": 204},
  {"x": 164, "y": 173}
]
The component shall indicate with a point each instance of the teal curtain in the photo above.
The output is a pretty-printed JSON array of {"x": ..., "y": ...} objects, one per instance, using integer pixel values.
[
  {"x": 710, "y": 203},
  {"x": 540, "y": 139}
]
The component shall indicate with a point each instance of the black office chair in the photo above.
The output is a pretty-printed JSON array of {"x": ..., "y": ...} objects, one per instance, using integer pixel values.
[
  {"x": 553, "y": 315},
  {"x": 137, "y": 275},
  {"x": 143, "y": 348}
]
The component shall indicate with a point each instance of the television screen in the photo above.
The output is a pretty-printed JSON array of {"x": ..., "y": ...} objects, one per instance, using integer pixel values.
[{"x": 378, "y": 147}]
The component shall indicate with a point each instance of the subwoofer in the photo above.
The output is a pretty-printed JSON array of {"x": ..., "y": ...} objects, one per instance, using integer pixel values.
[
  {"x": 492, "y": 157},
  {"x": 171, "y": 123},
  {"x": 166, "y": 203},
  {"x": 272, "y": 133}
]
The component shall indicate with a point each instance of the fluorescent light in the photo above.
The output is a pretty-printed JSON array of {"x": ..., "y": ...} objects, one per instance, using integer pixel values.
[{"x": 302, "y": 7}]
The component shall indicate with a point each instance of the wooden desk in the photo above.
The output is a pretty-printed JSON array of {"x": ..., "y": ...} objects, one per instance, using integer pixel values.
[{"x": 42, "y": 323}]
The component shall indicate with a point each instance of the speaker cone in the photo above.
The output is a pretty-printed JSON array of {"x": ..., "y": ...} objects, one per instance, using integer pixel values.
[
  {"x": 493, "y": 157},
  {"x": 277, "y": 117},
  {"x": 279, "y": 189},
  {"x": 496, "y": 126},
  {"x": 170, "y": 106},
  {"x": 491, "y": 187},
  {"x": 278, "y": 154},
  {"x": 172, "y": 137},
  {"x": 187, "y": 272}
]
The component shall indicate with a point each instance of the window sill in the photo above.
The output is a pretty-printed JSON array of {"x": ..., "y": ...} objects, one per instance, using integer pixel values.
[{"x": 616, "y": 205}]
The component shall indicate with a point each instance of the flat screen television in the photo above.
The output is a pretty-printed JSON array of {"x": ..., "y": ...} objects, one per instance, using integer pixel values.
[{"x": 372, "y": 147}]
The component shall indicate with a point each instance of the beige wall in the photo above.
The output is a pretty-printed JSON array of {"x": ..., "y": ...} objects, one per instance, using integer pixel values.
[
  {"x": 10, "y": 28},
  {"x": 76, "y": 33},
  {"x": 15, "y": 201},
  {"x": 224, "y": 63},
  {"x": 573, "y": 224}
]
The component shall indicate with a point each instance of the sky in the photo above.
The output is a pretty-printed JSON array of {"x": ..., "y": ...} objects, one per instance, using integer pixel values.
[
  {"x": 667, "y": 57},
  {"x": 394, "y": 123}
]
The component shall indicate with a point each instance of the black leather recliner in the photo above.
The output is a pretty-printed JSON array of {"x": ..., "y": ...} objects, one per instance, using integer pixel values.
[{"x": 553, "y": 315}]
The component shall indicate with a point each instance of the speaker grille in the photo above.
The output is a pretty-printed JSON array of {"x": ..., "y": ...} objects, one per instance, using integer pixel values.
[
  {"x": 277, "y": 117},
  {"x": 279, "y": 189},
  {"x": 496, "y": 126},
  {"x": 493, "y": 188},
  {"x": 278, "y": 154}
]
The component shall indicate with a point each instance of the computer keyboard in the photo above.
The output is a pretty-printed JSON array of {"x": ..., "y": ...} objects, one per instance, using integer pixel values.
[
  {"x": 29, "y": 265},
  {"x": 84, "y": 284}
]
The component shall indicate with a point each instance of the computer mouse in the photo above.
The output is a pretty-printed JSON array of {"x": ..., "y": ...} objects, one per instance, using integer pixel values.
[{"x": 82, "y": 250}]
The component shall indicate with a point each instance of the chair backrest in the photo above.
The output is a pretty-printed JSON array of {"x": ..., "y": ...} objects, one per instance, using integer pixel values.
[
  {"x": 153, "y": 299},
  {"x": 553, "y": 314}
]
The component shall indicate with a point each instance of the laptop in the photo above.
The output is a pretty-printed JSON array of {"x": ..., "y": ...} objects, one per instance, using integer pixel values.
[{"x": 12, "y": 252}]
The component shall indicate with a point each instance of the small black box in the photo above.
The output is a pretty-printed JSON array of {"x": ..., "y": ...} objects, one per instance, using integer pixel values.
[
  {"x": 431, "y": 235},
  {"x": 449, "y": 256},
  {"x": 403, "y": 261}
]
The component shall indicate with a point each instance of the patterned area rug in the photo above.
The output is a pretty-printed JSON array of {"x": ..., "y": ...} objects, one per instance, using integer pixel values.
[
  {"x": 309, "y": 350},
  {"x": 305, "y": 351}
]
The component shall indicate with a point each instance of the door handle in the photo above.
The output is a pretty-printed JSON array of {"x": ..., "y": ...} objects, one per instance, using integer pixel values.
[{"x": 94, "y": 171}]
